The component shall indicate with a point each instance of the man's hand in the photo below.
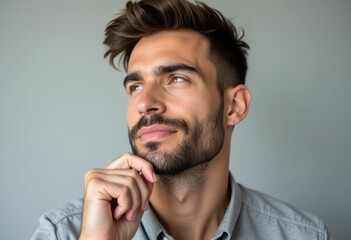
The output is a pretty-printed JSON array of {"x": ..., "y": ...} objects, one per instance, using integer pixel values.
[{"x": 115, "y": 198}]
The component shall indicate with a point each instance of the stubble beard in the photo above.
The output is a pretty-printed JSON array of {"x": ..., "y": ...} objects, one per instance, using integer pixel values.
[{"x": 188, "y": 160}]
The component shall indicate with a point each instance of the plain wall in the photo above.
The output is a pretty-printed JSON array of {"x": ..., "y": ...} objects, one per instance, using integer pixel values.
[{"x": 62, "y": 108}]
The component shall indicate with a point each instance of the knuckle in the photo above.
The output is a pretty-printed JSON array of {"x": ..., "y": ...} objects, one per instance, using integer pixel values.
[
  {"x": 130, "y": 181},
  {"x": 129, "y": 159},
  {"x": 125, "y": 192},
  {"x": 94, "y": 181},
  {"x": 93, "y": 184},
  {"x": 90, "y": 175},
  {"x": 127, "y": 154},
  {"x": 92, "y": 178}
]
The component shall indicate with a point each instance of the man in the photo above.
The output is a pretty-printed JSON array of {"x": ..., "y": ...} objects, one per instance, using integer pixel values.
[{"x": 186, "y": 67}]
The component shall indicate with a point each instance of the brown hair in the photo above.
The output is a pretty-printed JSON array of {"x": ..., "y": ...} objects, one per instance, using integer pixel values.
[{"x": 145, "y": 17}]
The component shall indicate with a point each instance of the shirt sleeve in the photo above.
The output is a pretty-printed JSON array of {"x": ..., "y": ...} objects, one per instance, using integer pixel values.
[
  {"x": 63, "y": 223},
  {"x": 46, "y": 230}
]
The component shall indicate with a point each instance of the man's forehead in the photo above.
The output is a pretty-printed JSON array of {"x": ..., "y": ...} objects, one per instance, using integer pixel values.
[{"x": 168, "y": 46}]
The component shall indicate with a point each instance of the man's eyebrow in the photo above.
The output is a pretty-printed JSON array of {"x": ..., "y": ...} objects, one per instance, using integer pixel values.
[
  {"x": 134, "y": 76},
  {"x": 175, "y": 67}
]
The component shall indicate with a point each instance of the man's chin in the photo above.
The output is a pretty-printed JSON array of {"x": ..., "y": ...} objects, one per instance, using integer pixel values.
[
  {"x": 181, "y": 170},
  {"x": 159, "y": 159},
  {"x": 166, "y": 161}
]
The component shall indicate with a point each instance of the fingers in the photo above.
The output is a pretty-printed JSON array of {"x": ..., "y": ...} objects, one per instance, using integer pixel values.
[
  {"x": 130, "y": 161},
  {"x": 125, "y": 186},
  {"x": 128, "y": 180},
  {"x": 116, "y": 197}
]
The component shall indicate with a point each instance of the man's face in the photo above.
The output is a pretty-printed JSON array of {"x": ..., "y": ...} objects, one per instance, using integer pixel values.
[{"x": 175, "y": 112}]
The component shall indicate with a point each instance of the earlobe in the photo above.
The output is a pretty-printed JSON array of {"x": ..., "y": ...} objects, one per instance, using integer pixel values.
[{"x": 237, "y": 101}]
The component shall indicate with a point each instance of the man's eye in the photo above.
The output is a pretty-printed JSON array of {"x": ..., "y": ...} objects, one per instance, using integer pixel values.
[
  {"x": 135, "y": 88},
  {"x": 177, "y": 79}
]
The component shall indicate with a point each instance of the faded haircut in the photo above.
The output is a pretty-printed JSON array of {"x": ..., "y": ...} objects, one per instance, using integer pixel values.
[{"x": 142, "y": 18}]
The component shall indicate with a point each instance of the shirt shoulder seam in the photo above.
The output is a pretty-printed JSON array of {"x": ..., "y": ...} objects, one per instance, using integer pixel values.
[
  {"x": 56, "y": 220},
  {"x": 282, "y": 218}
]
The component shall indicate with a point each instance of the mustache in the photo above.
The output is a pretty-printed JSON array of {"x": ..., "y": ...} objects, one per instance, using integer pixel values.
[{"x": 157, "y": 119}]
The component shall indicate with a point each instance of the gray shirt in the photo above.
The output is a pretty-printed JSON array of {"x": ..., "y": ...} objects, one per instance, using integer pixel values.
[{"x": 250, "y": 215}]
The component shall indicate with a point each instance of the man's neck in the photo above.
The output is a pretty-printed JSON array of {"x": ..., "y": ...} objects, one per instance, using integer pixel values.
[{"x": 191, "y": 205}]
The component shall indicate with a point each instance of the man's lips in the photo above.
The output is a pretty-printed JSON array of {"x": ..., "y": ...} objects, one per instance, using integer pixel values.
[{"x": 155, "y": 132}]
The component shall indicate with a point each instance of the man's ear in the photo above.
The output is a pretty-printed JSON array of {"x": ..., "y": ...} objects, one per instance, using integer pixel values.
[{"x": 237, "y": 100}]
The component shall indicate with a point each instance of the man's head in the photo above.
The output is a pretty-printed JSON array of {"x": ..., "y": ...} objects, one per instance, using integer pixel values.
[
  {"x": 146, "y": 17},
  {"x": 181, "y": 59}
]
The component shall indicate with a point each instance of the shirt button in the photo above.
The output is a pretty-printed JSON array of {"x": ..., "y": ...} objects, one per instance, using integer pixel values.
[{"x": 162, "y": 236}]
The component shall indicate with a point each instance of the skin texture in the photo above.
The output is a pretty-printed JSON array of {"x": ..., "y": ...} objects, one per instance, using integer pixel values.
[{"x": 199, "y": 192}]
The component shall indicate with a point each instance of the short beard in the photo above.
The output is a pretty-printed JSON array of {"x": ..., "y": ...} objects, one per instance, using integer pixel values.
[{"x": 195, "y": 151}]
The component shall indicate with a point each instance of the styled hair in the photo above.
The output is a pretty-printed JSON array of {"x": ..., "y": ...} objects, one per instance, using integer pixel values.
[{"x": 146, "y": 17}]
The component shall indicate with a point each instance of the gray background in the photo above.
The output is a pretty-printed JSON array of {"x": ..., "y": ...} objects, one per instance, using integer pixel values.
[{"x": 62, "y": 108}]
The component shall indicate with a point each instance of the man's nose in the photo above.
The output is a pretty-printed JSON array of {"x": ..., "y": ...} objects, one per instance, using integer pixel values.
[{"x": 151, "y": 101}]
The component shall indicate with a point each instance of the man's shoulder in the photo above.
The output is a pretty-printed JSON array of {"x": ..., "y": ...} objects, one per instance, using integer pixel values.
[
  {"x": 268, "y": 212},
  {"x": 61, "y": 223},
  {"x": 71, "y": 209}
]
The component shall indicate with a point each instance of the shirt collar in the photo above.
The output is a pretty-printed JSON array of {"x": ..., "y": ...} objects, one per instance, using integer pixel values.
[
  {"x": 151, "y": 225},
  {"x": 232, "y": 213},
  {"x": 154, "y": 230}
]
